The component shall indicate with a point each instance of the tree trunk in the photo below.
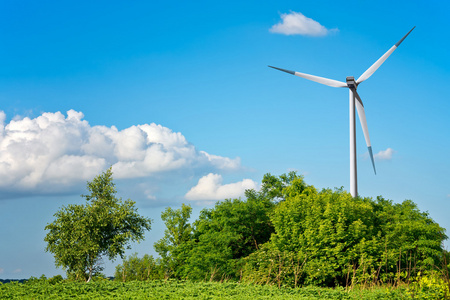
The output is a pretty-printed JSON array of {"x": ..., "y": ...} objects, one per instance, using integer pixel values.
[{"x": 90, "y": 274}]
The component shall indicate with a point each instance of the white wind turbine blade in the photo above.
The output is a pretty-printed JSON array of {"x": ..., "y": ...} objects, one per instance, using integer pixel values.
[
  {"x": 363, "y": 121},
  {"x": 322, "y": 80},
  {"x": 380, "y": 61}
]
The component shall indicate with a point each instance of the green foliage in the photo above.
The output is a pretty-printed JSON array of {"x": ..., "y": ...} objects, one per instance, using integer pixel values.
[
  {"x": 344, "y": 240},
  {"x": 184, "y": 290},
  {"x": 220, "y": 237},
  {"x": 33, "y": 280},
  {"x": 274, "y": 267},
  {"x": 135, "y": 268},
  {"x": 430, "y": 286},
  {"x": 82, "y": 234},
  {"x": 290, "y": 234},
  {"x": 274, "y": 188},
  {"x": 55, "y": 279},
  {"x": 412, "y": 233},
  {"x": 287, "y": 234},
  {"x": 172, "y": 247}
]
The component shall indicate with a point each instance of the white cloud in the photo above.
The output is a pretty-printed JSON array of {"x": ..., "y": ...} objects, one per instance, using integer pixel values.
[
  {"x": 17, "y": 271},
  {"x": 297, "y": 23},
  {"x": 49, "y": 153},
  {"x": 384, "y": 154},
  {"x": 2, "y": 270},
  {"x": 222, "y": 162},
  {"x": 210, "y": 187}
]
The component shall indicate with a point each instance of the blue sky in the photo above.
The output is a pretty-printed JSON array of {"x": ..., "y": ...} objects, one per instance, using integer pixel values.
[{"x": 178, "y": 98}]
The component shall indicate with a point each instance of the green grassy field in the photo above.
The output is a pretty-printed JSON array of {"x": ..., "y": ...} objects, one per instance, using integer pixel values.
[{"x": 184, "y": 290}]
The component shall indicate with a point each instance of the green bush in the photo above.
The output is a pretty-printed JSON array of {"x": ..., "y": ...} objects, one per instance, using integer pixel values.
[
  {"x": 55, "y": 279},
  {"x": 274, "y": 267},
  {"x": 431, "y": 285},
  {"x": 135, "y": 268},
  {"x": 344, "y": 241}
]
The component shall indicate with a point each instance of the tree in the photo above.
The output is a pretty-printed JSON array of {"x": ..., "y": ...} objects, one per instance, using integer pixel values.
[
  {"x": 274, "y": 188},
  {"x": 82, "y": 234},
  {"x": 222, "y": 235},
  {"x": 178, "y": 232},
  {"x": 215, "y": 244}
]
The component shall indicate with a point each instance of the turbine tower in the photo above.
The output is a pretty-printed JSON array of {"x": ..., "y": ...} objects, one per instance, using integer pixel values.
[{"x": 352, "y": 85}]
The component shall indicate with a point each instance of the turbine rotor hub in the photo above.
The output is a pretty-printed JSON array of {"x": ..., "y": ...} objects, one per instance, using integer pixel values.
[{"x": 351, "y": 83}]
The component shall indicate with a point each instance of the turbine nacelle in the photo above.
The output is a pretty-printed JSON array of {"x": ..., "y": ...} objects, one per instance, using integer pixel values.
[{"x": 351, "y": 83}]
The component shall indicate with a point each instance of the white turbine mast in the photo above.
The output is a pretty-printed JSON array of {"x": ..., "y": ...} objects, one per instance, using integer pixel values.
[{"x": 352, "y": 85}]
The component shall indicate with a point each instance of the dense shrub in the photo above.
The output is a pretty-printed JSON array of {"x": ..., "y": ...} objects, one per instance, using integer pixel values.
[
  {"x": 430, "y": 285},
  {"x": 344, "y": 240},
  {"x": 274, "y": 267},
  {"x": 55, "y": 279},
  {"x": 135, "y": 268}
]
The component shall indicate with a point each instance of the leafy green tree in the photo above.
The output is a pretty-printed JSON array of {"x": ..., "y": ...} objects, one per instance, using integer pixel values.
[
  {"x": 273, "y": 187},
  {"x": 246, "y": 224},
  {"x": 213, "y": 246},
  {"x": 82, "y": 234},
  {"x": 172, "y": 247},
  {"x": 412, "y": 240},
  {"x": 233, "y": 229}
]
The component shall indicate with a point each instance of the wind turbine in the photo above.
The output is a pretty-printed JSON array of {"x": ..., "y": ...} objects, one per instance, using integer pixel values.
[{"x": 352, "y": 86}]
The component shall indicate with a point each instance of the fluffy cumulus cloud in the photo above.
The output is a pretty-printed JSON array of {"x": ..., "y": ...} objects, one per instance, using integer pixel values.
[
  {"x": 297, "y": 23},
  {"x": 54, "y": 150},
  {"x": 384, "y": 154},
  {"x": 210, "y": 187}
]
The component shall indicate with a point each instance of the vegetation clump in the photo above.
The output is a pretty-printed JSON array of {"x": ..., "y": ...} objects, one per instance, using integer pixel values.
[
  {"x": 82, "y": 234},
  {"x": 286, "y": 235},
  {"x": 172, "y": 289},
  {"x": 291, "y": 234}
]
